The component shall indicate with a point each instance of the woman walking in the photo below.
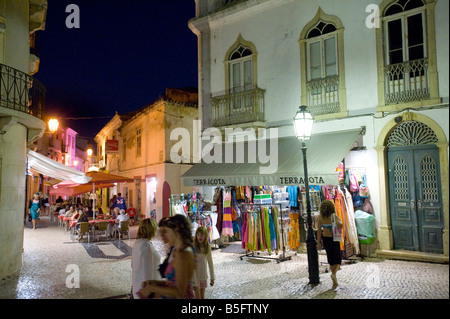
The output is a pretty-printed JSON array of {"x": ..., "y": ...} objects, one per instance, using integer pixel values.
[
  {"x": 181, "y": 265},
  {"x": 327, "y": 214},
  {"x": 34, "y": 208},
  {"x": 145, "y": 259}
]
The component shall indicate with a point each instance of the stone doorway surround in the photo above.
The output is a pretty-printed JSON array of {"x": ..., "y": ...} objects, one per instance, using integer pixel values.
[{"x": 384, "y": 232}]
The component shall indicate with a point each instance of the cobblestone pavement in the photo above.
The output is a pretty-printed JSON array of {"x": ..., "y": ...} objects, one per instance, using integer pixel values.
[{"x": 51, "y": 258}]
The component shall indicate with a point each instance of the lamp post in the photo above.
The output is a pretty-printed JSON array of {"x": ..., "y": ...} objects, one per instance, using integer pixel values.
[
  {"x": 303, "y": 122},
  {"x": 53, "y": 125}
]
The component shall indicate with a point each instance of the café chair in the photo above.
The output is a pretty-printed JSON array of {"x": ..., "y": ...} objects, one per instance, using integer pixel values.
[
  {"x": 82, "y": 230},
  {"x": 124, "y": 228},
  {"x": 101, "y": 227}
]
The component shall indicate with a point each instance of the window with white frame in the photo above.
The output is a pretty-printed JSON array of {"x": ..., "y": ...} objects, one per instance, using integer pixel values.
[
  {"x": 406, "y": 70},
  {"x": 322, "y": 83},
  {"x": 322, "y": 51},
  {"x": 405, "y": 32},
  {"x": 240, "y": 70}
]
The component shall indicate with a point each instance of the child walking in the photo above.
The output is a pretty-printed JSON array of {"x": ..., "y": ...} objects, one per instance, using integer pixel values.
[{"x": 204, "y": 256}]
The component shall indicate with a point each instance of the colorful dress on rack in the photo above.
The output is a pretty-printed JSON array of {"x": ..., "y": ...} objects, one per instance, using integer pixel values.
[
  {"x": 293, "y": 234},
  {"x": 227, "y": 222},
  {"x": 339, "y": 206},
  {"x": 214, "y": 230}
]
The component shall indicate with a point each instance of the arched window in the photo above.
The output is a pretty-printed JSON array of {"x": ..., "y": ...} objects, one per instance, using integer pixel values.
[
  {"x": 322, "y": 70},
  {"x": 405, "y": 31},
  {"x": 406, "y": 52},
  {"x": 322, "y": 51},
  {"x": 240, "y": 69}
]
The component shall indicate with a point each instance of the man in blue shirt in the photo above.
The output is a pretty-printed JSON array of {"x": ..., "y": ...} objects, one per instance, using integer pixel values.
[{"x": 120, "y": 202}]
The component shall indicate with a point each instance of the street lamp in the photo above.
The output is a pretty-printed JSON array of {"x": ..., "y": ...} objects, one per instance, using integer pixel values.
[
  {"x": 303, "y": 122},
  {"x": 53, "y": 125}
]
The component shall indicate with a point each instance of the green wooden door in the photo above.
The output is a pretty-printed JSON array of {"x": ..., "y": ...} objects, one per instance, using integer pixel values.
[{"x": 415, "y": 198}]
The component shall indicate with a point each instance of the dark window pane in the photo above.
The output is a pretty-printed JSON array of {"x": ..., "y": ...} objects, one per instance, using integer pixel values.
[
  {"x": 415, "y": 30},
  {"x": 235, "y": 55},
  {"x": 329, "y": 28},
  {"x": 313, "y": 33},
  {"x": 320, "y": 26},
  {"x": 395, "y": 35},
  {"x": 395, "y": 57},
  {"x": 393, "y": 9},
  {"x": 246, "y": 52},
  {"x": 413, "y": 4},
  {"x": 416, "y": 53}
]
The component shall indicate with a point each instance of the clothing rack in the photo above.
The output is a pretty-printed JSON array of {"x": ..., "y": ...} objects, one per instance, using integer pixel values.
[
  {"x": 252, "y": 253},
  {"x": 200, "y": 216}
]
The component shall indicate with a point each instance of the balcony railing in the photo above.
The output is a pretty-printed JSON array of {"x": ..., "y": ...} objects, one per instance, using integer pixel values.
[
  {"x": 237, "y": 108},
  {"x": 323, "y": 95},
  {"x": 21, "y": 92},
  {"x": 406, "y": 82}
]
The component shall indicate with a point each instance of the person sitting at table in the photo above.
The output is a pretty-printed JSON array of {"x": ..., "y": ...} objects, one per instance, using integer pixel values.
[
  {"x": 76, "y": 215},
  {"x": 121, "y": 218},
  {"x": 82, "y": 218},
  {"x": 70, "y": 212},
  {"x": 115, "y": 212},
  {"x": 62, "y": 209},
  {"x": 89, "y": 213}
]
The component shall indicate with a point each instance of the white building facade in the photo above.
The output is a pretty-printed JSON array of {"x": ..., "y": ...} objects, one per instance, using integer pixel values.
[
  {"x": 144, "y": 143},
  {"x": 378, "y": 65}
]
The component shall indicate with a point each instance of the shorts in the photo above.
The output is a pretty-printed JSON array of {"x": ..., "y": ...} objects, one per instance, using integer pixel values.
[{"x": 333, "y": 250}]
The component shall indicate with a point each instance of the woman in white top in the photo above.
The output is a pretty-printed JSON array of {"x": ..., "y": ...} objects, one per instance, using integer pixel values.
[{"x": 145, "y": 259}]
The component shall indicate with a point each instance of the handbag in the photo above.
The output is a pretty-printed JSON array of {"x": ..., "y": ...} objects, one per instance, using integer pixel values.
[
  {"x": 363, "y": 188},
  {"x": 357, "y": 201},
  {"x": 337, "y": 232},
  {"x": 354, "y": 186}
]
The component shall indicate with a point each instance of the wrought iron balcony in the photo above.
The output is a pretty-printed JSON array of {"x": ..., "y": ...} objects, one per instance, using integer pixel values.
[
  {"x": 406, "y": 82},
  {"x": 237, "y": 108},
  {"x": 21, "y": 92},
  {"x": 323, "y": 95}
]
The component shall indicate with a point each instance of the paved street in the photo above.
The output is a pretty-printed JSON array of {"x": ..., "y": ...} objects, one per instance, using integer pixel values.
[{"x": 51, "y": 259}]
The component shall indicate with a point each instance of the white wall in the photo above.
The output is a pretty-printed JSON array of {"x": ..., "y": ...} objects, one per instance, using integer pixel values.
[
  {"x": 276, "y": 32},
  {"x": 12, "y": 198}
]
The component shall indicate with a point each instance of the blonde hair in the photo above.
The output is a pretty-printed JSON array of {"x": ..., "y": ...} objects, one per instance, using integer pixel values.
[
  {"x": 203, "y": 247},
  {"x": 147, "y": 229}
]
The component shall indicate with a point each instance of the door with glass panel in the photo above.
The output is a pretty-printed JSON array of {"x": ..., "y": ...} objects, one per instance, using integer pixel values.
[{"x": 415, "y": 198}]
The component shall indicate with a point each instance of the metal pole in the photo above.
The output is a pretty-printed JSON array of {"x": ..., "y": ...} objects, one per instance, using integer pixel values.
[
  {"x": 93, "y": 202},
  {"x": 311, "y": 244}
]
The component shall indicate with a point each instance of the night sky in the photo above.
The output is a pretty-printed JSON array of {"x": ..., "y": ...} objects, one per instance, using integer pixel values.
[{"x": 123, "y": 57}]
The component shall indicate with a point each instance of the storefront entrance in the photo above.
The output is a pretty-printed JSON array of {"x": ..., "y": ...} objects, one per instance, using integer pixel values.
[{"x": 417, "y": 217}]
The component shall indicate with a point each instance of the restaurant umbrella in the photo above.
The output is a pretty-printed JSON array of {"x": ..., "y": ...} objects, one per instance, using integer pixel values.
[
  {"x": 98, "y": 179},
  {"x": 75, "y": 190}
]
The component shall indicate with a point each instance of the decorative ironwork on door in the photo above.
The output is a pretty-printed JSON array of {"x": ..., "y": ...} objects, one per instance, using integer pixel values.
[
  {"x": 401, "y": 179},
  {"x": 429, "y": 179},
  {"x": 411, "y": 133}
]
